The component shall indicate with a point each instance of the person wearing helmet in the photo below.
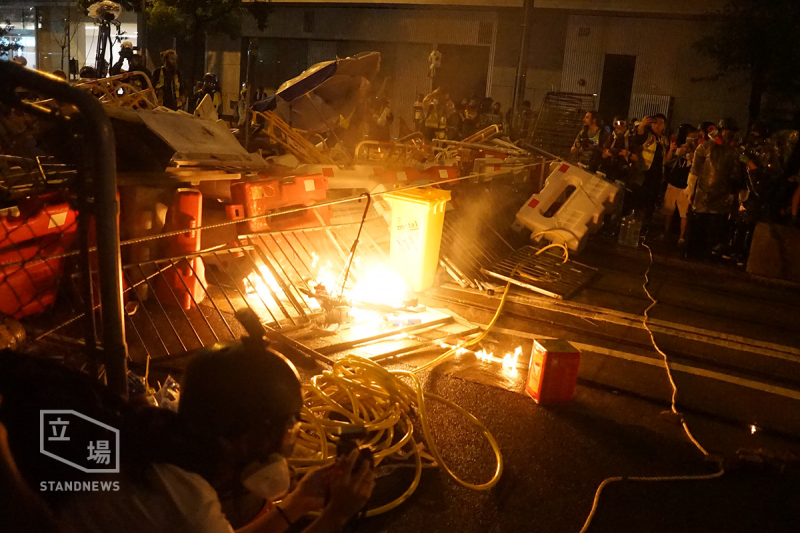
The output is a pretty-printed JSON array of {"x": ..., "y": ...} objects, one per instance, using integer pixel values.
[
  {"x": 210, "y": 88},
  {"x": 713, "y": 181}
]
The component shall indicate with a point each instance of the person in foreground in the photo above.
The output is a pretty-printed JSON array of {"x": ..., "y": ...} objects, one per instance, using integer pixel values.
[{"x": 236, "y": 424}]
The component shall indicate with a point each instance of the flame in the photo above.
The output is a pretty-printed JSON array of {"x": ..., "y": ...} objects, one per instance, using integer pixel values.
[
  {"x": 483, "y": 355},
  {"x": 510, "y": 359},
  {"x": 369, "y": 282},
  {"x": 378, "y": 284}
]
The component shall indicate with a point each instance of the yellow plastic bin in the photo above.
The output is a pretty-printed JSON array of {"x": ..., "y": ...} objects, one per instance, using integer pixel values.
[{"x": 416, "y": 232}]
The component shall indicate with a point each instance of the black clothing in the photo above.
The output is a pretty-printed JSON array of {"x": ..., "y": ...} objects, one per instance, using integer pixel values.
[{"x": 679, "y": 175}]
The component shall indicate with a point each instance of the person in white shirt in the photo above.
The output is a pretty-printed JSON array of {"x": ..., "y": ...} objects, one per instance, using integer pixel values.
[{"x": 236, "y": 424}]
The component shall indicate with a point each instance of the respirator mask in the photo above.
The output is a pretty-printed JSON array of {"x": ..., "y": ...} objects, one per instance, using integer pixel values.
[{"x": 269, "y": 480}]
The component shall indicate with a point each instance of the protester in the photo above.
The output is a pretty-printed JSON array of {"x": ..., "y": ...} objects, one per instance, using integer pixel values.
[
  {"x": 87, "y": 73},
  {"x": 419, "y": 113},
  {"x": 614, "y": 162},
  {"x": 168, "y": 82},
  {"x": 707, "y": 130},
  {"x": 58, "y": 73},
  {"x": 656, "y": 151},
  {"x": 135, "y": 63},
  {"x": 588, "y": 146},
  {"x": 713, "y": 179},
  {"x": 240, "y": 112},
  {"x": 677, "y": 181},
  {"x": 470, "y": 124},
  {"x": 437, "y": 106},
  {"x": 210, "y": 88}
]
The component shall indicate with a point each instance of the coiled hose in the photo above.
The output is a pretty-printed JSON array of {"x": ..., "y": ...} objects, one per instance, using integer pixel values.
[{"x": 362, "y": 392}]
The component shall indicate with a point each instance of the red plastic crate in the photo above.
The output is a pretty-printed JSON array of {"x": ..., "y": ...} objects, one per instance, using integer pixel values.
[
  {"x": 553, "y": 372},
  {"x": 31, "y": 288},
  {"x": 264, "y": 196},
  {"x": 34, "y": 218}
]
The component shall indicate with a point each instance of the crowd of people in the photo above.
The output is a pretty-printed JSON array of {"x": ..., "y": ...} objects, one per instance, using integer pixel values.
[
  {"x": 438, "y": 117},
  {"x": 720, "y": 180}
]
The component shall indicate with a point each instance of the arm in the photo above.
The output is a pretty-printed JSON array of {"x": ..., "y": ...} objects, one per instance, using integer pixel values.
[
  {"x": 116, "y": 68},
  {"x": 670, "y": 153}
]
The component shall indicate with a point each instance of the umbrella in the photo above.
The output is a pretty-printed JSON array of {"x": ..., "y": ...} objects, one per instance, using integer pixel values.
[{"x": 316, "y": 99}]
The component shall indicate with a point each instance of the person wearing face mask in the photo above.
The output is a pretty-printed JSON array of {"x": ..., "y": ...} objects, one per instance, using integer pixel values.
[
  {"x": 713, "y": 180},
  {"x": 236, "y": 424}
]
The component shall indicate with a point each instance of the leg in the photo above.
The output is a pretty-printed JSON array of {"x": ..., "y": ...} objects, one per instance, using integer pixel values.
[{"x": 684, "y": 224}]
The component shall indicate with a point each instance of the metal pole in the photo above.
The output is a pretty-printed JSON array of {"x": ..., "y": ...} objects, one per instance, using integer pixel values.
[
  {"x": 100, "y": 136},
  {"x": 252, "y": 54},
  {"x": 522, "y": 65}
]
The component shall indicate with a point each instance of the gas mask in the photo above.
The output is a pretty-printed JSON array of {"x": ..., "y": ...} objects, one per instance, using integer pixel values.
[{"x": 270, "y": 480}]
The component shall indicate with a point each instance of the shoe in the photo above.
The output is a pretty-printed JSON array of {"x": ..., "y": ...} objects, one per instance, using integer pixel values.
[
  {"x": 681, "y": 243},
  {"x": 661, "y": 238}
]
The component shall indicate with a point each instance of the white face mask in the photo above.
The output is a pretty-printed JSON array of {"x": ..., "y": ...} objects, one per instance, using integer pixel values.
[{"x": 270, "y": 480}]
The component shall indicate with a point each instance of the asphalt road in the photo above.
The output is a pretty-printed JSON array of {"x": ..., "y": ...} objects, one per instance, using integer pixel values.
[{"x": 555, "y": 457}]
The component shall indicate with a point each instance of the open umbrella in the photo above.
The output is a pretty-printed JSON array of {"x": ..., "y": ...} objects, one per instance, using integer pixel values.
[{"x": 316, "y": 99}]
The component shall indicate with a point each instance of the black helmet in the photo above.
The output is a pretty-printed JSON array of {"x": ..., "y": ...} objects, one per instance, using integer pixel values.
[
  {"x": 728, "y": 123},
  {"x": 210, "y": 76}
]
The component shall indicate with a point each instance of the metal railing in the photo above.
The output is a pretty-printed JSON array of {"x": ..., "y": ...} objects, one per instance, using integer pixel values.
[{"x": 80, "y": 114}]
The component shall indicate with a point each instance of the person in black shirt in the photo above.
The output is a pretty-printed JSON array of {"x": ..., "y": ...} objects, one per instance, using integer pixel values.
[
  {"x": 615, "y": 153},
  {"x": 677, "y": 181}
]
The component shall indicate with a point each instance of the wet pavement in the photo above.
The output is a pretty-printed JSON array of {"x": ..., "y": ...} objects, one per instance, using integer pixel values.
[
  {"x": 555, "y": 457},
  {"x": 739, "y": 382}
]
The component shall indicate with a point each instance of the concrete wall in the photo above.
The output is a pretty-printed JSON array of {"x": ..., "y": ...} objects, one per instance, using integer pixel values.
[
  {"x": 223, "y": 58},
  {"x": 407, "y": 34},
  {"x": 545, "y": 56},
  {"x": 666, "y": 64},
  {"x": 569, "y": 41}
]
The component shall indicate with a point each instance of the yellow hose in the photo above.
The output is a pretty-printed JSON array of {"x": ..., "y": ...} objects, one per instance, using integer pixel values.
[{"x": 365, "y": 393}]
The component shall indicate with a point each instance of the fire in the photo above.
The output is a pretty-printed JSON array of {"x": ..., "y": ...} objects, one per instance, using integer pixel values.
[
  {"x": 371, "y": 283},
  {"x": 378, "y": 284},
  {"x": 510, "y": 359}
]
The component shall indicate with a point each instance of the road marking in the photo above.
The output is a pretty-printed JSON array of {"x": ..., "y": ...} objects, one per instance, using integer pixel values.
[
  {"x": 652, "y": 361},
  {"x": 735, "y": 380}
]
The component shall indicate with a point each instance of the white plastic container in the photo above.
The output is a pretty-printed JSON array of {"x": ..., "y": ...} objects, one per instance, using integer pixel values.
[{"x": 570, "y": 207}]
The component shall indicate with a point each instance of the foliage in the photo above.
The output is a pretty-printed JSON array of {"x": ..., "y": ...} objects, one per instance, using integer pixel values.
[
  {"x": 758, "y": 37},
  {"x": 8, "y": 44},
  {"x": 191, "y": 17}
]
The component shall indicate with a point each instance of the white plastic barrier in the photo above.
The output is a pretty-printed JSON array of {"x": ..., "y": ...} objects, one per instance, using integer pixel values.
[{"x": 571, "y": 206}]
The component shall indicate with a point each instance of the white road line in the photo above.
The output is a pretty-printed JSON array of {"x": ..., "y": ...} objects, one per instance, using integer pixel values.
[
  {"x": 742, "y": 382},
  {"x": 678, "y": 367}
]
